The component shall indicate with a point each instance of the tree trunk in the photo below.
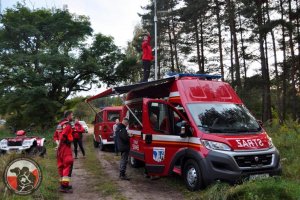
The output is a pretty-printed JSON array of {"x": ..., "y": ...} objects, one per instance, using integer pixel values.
[
  {"x": 276, "y": 69},
  {"x": 198, "y": 45},
  {"x": 284, "y": 70},
  {"x": 232, "y": 24},
  {"x": 220, "y": 37},
  {"x": 175, "y": 43},
  {"x": 291, "y": 42},
  {"x": 243, "y": 48},
  {"x": 231, "y": 62},
  {"x": 202, "y": 46},
  {"x": 266, "y": 104},
  {"x": 171, "y": 48}
]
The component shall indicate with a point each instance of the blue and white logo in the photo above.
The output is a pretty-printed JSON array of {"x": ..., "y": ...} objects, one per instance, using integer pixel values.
[{"x": 158, "y": 154}]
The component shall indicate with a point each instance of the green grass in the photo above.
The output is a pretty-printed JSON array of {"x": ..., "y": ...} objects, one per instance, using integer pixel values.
[
  {"x": 106, "y": 186},
  {"x": 287, "y": 140},
  {"x": 49, "y": 186}
]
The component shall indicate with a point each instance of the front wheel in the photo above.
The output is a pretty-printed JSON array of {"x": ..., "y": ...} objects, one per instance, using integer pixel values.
[
  {"x": 101, "y": 146},
  {"x": 96, "y": 144},
  {"x": 192, "y": 175},
  {"x": 135, "y": 163}
]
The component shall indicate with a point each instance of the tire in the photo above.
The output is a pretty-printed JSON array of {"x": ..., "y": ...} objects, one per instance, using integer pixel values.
[
  {"x": 135, "y": 163},
  {"x": 192, "y": 175},
  {"x": 101, "y": 146},
  {"x": 33, "y": 151},
  {"x": 96, "y": 144},
  {"x": 42, "y": 151}
]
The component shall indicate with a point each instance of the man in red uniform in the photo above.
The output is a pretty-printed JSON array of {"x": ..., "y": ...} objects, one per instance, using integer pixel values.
[
  {"x": 77, "y": 135},
  {"x": 147, "y": 56},
  {"x": 64, "y": 152}
]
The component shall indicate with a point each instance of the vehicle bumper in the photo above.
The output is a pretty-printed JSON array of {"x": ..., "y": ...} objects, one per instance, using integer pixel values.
[
  {"x": 16, "y": 149},
  {"x": 220, "y": 165}
]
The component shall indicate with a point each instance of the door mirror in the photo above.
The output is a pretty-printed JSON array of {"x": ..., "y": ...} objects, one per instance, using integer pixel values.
[
  {"x": 260, "y": 123},
  {"x": 184, "y": 129}
]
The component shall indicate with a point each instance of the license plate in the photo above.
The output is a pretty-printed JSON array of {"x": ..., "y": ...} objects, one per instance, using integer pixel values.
[{"x": 258, "y": 176}]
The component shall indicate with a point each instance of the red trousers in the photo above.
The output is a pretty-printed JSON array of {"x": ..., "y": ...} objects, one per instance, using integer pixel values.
[{"x": 65, "y": 163}]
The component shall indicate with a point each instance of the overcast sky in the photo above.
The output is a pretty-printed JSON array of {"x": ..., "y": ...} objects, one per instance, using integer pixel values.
[{"x": 110, "y": 17}]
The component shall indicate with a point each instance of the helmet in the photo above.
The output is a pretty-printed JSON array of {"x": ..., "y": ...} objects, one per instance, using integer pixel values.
[{"x": 21, "y": 133}]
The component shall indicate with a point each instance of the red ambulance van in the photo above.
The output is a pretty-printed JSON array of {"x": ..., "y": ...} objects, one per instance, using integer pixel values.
[
  {"x": 103, "y": 126},
  {"x": 195, "y": 126}
]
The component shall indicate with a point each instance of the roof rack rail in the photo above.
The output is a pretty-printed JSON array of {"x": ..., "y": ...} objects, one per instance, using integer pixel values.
[{"x": 204, "y": 76}]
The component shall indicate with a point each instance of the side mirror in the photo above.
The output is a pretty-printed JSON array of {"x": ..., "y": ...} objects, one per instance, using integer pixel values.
[
  {"x": 260, "y": 123},
  {"x": 184, "y": 129}
]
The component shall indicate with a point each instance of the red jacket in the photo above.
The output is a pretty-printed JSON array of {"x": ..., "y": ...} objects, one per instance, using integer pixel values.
[
  {"x": 78, "y": 130},
  {"x": 66, "y": 135},
  {"x": 147, "y": 50}
]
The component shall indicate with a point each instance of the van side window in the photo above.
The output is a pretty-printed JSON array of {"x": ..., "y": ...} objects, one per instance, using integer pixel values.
[
  {"x": 113, "y": 115},
  {"x": 163, "y": 119},
  {"x": 99, "y": 117},
  {"x": 137, "y": 110}
]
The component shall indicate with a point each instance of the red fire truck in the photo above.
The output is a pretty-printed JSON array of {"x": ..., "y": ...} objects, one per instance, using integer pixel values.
[
  {"x": 103, "y": 126},
  {"x": 195, "y": 126}
]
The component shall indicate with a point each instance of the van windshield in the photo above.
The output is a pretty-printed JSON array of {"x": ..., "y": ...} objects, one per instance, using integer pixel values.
[{"x": 223, "y": 118}]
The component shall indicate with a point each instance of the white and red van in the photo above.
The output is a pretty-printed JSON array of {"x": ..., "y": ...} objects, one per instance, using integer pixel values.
[
  {"x": 103, "y": 126},
  {"x": 197, "y": 127}
]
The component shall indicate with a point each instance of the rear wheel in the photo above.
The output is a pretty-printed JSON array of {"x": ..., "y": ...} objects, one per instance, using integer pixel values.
[{"x": 192, "y": 175}]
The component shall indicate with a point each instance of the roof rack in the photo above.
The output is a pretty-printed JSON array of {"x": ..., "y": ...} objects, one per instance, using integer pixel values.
[{"x": 203, "y": 76}]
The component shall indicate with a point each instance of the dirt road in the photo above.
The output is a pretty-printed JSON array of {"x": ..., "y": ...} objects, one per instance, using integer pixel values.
[{"x": 139, "y": 187}]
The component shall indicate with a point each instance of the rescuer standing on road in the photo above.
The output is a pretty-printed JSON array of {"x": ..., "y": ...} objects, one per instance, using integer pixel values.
[
  {"x": 124, "y": 146},
  {"x": 64, "y": 153},
  {"x": 77, "y": 134},
  {"x": 147, "y": 56}
]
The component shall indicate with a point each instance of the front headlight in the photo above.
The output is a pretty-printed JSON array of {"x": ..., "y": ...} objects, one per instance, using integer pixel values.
[
  {"x": 215, "y": 145},
  {"x": 271, "y": 145},
  {"x": 27, "y": 143},
  {"x": 3, "y": 143}
]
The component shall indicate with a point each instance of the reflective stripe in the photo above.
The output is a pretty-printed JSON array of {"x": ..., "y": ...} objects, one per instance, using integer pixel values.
[
  {"x": 174, "y": 94},
  {"x": 174, "y": 138},
  {"x": 66, "y": 179},
  {"x": 135, "y": 132}
]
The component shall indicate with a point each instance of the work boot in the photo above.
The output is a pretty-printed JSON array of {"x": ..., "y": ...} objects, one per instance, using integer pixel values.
[
  {"x": 123, "y": 176},
  {"x": 65, "y": 189}
]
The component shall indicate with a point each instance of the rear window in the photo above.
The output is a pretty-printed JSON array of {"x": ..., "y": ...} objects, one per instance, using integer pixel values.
[
  {"x": 113, "y": 115},
  {"x": 133, "y": 122}
]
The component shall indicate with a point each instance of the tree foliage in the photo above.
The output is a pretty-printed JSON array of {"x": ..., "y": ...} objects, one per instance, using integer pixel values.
[{"x": 45, "y": 58}]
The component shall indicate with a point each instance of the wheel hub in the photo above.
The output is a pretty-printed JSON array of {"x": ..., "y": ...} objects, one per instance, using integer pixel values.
[{"x": 192, "y": 176}]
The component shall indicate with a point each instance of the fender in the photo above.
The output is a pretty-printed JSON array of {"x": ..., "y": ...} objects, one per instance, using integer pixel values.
[
  {"x": 42, "y": 141},
  {"x": 185, "y": 153}
]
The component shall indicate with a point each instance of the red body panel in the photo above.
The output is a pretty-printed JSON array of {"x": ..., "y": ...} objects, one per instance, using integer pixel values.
[{"x": 104, "y": 122}]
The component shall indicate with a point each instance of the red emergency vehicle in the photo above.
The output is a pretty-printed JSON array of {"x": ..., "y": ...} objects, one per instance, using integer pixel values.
[
  {"x": 195, "y": 126},
  {"x": 103, "y": 126}
]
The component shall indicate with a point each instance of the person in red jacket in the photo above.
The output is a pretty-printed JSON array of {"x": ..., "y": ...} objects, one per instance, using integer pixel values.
[
  {"x": 77, "y": 134},
  {"x": 147, "y": 56},
  {"x": 64, "y": 152}
]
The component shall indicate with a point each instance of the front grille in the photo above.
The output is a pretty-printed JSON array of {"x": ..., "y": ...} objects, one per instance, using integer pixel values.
[
  {"x": 13, "y": 143},
  {"x": 253, "y": 160}
]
